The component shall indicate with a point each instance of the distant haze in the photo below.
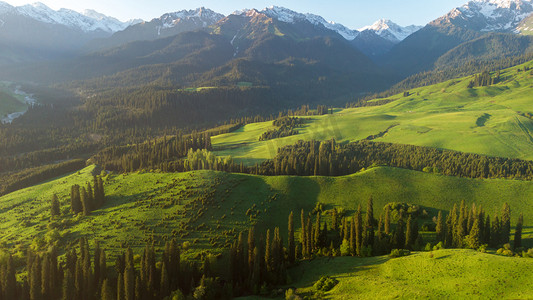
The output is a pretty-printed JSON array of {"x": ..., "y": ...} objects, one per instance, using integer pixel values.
[{"x": 353, "y": 14}]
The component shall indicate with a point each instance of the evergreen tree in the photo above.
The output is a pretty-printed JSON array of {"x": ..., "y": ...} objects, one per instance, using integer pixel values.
[
  {"x": 120, "y": 287},
  {"x": 291, "y": 244},
  {"x": 369, "y": 224},
  {"x": 256, "y": 273},
  {"x": 506, "y": 223},
  {"x": 35, "y": 279},
  {"x": 75, "y": 199},
  {"x": 387, "y": 220},
  {"x": 518, "y": 232},
  {"x": 353, "y": 246},
  {"x": 334, "y": 220},
  {"x": 409, "y": 233},
  {"x": 164, "y": 289},
  {"x": 495, "y": 233},
  {"x": 106, "y": 293},
  {"x": 55, "y": 206},
  {"x": 251, "y": 246},
  {"x": 10, "y": 281},
  {"x": 440, "y": 228},
  {"x": 69, "y": 290},
  {"x": 303, "y": 235},
  {"x": 474, "y": 238},
  {"x": 85, "y": 202},
  {"x": 129, "y": 282},
  {"x": 486, "y": 230},
  {"x": 316, "y": 234},
  {"x": 358, "y": 231}
]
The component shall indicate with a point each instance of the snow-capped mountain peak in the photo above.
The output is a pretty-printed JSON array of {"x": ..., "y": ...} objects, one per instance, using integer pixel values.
[
  {"x": 391, "y": 31},
  {"x": 490, "y": 15},
  {"x": 204, "y": 15},
  {"x": 286, "y": 15},
  {"x": 89, "y": 21}
]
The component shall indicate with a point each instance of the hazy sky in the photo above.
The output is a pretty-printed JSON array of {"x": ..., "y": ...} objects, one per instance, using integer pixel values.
[{"x": 351, "y": 13}]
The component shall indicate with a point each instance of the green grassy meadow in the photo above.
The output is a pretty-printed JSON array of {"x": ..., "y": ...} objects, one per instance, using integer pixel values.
[
  {"x": 450, "y": 274},
  {"x": 9, "y": 101},
  {"x": 484, "y": 120},
  {"x": 206, "y": 210}
]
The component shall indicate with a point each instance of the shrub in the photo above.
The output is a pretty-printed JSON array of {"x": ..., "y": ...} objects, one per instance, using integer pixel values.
[
  {"x": 325, "y": 283},
  {"x": 290, "y": 294},
  {"x": 399, "y": 253},
  {"x": 345, "y": 248},
  {"x": 439, "y": 246}
]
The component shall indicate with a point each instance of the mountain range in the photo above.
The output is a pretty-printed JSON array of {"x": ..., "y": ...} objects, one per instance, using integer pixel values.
[{"x": 287, "y": 58}]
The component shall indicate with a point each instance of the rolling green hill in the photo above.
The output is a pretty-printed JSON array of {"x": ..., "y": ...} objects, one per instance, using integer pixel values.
[
  {"x": 450, "y": 274},
  {"x": 208, "y": 209},
  {"x": 485, "y": 120}
]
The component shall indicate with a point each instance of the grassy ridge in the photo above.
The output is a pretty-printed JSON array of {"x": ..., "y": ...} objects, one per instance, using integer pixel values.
[
  {"x": 445, "y": 115},
  {"x": 450, "y": 274},
  {"x": 158, "y": 206}
]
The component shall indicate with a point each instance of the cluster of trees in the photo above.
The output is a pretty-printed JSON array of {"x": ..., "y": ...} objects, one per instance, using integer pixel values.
[
  {"x": 484, "y": 79},
  {"x": 151, "y": 154},
  {"x": 286, "y": 127},
  {"x": 259, "y": 263},
  {"x": 86, "y": 277},
  {"x": 85, "y": 200},
  {"x": 327, "y": 158},
  {"x": 472, "y": 228}
]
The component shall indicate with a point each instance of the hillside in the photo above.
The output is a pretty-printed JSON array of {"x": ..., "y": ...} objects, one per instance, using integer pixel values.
[
  {"x": 451, "y": 274},
  {"x": 208, "y": 209},
  {"x": 487, "y": 120}
]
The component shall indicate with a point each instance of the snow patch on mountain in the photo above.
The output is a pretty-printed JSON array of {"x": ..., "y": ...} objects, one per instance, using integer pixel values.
[
  {"x": 391, "y": 31},
  {"x": 89, "y": 21}
]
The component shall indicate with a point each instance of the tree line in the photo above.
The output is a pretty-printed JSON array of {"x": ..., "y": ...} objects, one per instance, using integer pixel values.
[{"x": 328, "y": 158}]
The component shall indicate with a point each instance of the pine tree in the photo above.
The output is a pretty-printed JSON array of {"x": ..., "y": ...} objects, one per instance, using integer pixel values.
[
  {"x": 268, "y": 252},
  {"x": 358, "y": 231},
  {"x": 518, "y": 232},
  {"x": 90, "y": 197},
  {"x": 409, "y": 234},
  {"x": 75, "y": 199},
  {"x": 316, "y": 233},
  {"x": 506, "y": 223},
  {"x": 251, "y": 246},
  {"x": 69, "y": 290},
  {"x": 474, "y": 238},
  {"x": 461, "y": 226},
  {"x": 10, "y": 281},
  {"x": 120, "y": 287},
  {"x": 85, "y": 202},
  {"x": 387, "y": 220},
  {"x": 291, "y": 244},
  {"x": 55, "y": 206},
  {"x": 486, "y": 230},
  {"x": 495, "y": 233},
  {"x": 35, "y": 280},
  {"x": 369, "y": 224},
  {"x": 256, "y": 273},
  {"x": 164, "y": 289},
  {"x": 106, "y": 293},
  {"x": 129, "y": 282},
  {"x": 440, "y": 229},
  {"x": 353, "y": 246},
  {"x": 303, "y": 235},
  {"x": 334, "y": 220}
]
